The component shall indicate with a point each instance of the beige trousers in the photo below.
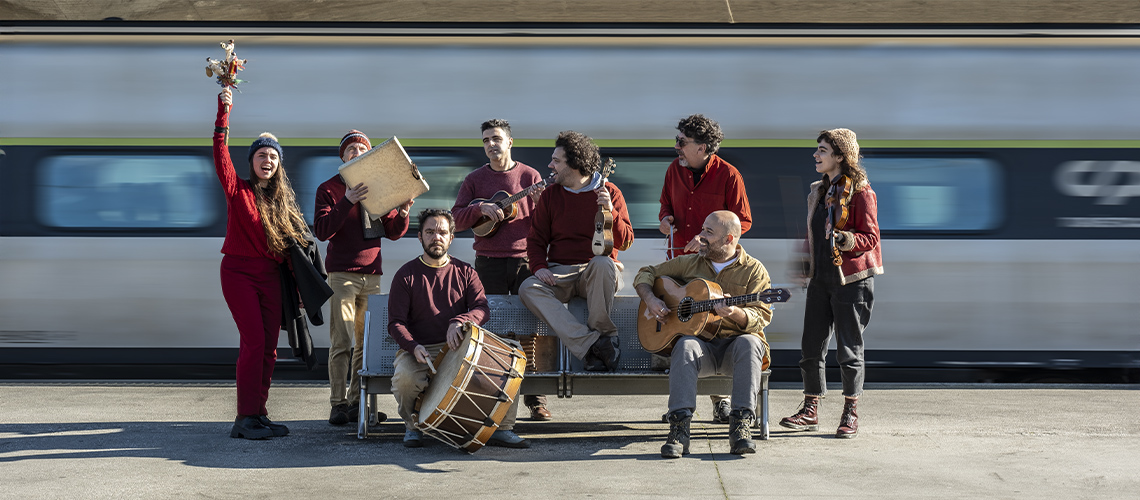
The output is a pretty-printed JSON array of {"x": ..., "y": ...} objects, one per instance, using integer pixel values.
[
  {"x": 411, "y": 378},
  {"x": 346, "y": 329},
  {"x": 597, "y": 281}
]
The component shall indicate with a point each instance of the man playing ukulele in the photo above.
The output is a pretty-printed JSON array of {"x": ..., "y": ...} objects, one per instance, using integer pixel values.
[
  {"x": 739, "y": 348},
  {"x": 500, "y": 257}
]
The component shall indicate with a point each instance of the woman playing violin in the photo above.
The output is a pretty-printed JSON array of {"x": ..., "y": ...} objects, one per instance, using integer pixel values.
[{"x": 844, "y": 256}]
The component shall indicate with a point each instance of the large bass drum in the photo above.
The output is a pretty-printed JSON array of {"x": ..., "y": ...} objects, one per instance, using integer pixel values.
[{"x": 472, "y": 390}]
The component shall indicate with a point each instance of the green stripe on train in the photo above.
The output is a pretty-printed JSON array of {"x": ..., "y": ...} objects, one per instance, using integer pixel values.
[{"x": 607, "y": 143}]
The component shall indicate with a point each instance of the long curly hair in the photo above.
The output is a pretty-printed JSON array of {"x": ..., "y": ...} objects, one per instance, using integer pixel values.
[
  {"x": 277, "y": 204},
  {"x": 581, "y": 152},
  {"x": 846, "y": 147}
]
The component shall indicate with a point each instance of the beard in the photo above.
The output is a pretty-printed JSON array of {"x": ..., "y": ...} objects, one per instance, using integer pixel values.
[{"x": 435, "y": 250}]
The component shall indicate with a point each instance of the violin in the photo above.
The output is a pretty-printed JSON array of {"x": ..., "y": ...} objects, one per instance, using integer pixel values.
[
  {"x": 838, "y": 210},
  {"x": 603, "y": 243}
]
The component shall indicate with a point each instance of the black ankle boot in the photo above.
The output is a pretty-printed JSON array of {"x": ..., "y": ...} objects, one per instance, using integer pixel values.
[
  {"x": 740, "y": 432},
  {"x": 249, "y": 427},
  {"x": 677, "y": 444}
]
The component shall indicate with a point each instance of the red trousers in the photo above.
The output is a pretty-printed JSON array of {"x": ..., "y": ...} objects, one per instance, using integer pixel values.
[{"x": 252, "y": 288}]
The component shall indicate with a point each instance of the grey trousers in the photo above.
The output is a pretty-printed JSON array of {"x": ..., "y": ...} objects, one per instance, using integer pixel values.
[
  {"x": 741, "y": 356},
  {"x": 597, "y": 281},
  {"x": 411, "y": 378},
  {"x": 846, "y": 310}
]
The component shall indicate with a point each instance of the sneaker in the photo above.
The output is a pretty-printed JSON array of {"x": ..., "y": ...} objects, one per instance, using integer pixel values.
[
  {"x": 721, "y": 410},
  {"x": 507, "y": 439},
  {"x": 339, "y": 414},
  {"x": 413, "y": 438}
]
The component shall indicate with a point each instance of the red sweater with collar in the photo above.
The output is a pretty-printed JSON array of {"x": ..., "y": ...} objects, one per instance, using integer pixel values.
[
  {"x": 337, "y": 220},
  {"x": 562, "y": 227},
  {"x": 721, "y": 188},
  {"x": 245, "y": 236}
]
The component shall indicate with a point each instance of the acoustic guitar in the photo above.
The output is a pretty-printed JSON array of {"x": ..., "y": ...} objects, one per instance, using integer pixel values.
[
  {"x": 691, "y": 311},
  {"x": 485, "y": 227},
  {"x": 603, "y": 243}
]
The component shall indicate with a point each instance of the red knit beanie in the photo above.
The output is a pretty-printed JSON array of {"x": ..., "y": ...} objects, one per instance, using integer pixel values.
[{"x": 351, "y": 137}]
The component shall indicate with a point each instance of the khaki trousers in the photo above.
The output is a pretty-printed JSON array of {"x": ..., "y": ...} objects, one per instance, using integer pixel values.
[
  {"x": 411, "y": 378},
  {"x": 346, "y": 330},
  {"x": 597, "y": 281}
]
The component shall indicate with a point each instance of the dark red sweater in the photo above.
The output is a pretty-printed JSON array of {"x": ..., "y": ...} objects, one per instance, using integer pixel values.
[
  {"x": 337, "y": 220},
  {"x": 423, "y": 300},
  {"x": 484, "y": 182},
  {"x": 562, "y": 227},
  {"x": 721, "y": 188},
  {"x": 245, "y": 236}
]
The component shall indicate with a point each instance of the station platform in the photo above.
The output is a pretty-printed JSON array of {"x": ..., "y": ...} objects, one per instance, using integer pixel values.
[{"x": 90, "y": 439}]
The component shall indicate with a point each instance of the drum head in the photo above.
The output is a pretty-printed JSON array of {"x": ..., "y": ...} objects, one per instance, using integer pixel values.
[{"x": 441, "y": 382}]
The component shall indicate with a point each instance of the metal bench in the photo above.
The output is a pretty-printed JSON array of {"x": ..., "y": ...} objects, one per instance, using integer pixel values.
[{"x": 508, "y": 314}]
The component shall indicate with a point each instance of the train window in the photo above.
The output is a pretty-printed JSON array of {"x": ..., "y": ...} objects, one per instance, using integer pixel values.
[
  {"x": 444, "y": 174},
  {"x": 640, "y": 180},
  {"x": 128, "y": 191},
  {"x": 936, "y": 194}
]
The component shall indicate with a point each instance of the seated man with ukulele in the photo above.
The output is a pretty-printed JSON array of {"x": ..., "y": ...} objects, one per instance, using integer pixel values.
[{"x": 735, "y": 347}]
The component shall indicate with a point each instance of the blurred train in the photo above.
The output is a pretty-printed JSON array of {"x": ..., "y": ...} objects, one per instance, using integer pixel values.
[{"x": 1007, "y": 168}]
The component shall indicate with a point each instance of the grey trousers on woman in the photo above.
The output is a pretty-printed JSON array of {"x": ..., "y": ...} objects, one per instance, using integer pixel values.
[{"x": 846, "y": 310}]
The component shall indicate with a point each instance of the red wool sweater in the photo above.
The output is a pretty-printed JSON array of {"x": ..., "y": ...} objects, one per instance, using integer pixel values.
[
  {"x": 721, "y": 188},
  {"x": 425, "y": 299},
  {"x": 562, "y": 227},
  {"x": 337, "y": 221},
  {"x": 484, "y": 182},
  {"x": 245, "y": 236}
]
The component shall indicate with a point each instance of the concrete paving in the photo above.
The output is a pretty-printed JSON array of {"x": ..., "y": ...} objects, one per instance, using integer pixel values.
[{"x": 171, "y": 440}]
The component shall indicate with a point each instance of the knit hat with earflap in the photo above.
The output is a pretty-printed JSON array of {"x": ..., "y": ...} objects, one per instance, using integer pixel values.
[
  {"x": 843, "y": 140},
  {"x": 266, "y": 140},
  {"x": 351, "y": 137}
]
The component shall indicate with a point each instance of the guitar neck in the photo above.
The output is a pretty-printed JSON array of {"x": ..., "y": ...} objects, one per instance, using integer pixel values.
[
  {"x": 708, "y": 305},
  {"x": 506, "y": 202}
]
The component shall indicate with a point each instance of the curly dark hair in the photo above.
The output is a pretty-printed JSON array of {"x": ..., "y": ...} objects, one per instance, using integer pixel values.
[
  {"x": 703, "y": 130},
  {"x": 496, "y": 123},
  {"x": 428, "y": 213},
  {"x": 581, "y": 152}
]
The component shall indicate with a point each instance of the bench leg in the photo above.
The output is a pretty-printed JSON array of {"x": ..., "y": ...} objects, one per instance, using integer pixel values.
[
  {"x": 764, "y": 414},
  {"x": 366, "y": 410}
]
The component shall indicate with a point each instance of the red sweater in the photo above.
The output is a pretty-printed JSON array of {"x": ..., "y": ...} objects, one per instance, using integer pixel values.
[
  {"x": 424, "y": 300},
  {"x": 245, "y": 236},
  {"x": 721, "y": 188},
  {"x": 337, "y": 220},
  {"x": 484, "y": 182},
  {"x": 562, "y": 227}
]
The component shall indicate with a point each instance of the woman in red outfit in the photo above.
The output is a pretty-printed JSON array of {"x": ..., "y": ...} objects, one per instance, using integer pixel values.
[{"x": 263, "y": 219}]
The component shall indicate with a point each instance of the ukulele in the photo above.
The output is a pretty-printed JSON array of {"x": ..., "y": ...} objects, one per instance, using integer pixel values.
[
  {"x": 603, "y": 243},
  {"x": 485, "y": 227},
  {"x": 691, "y": 311}
]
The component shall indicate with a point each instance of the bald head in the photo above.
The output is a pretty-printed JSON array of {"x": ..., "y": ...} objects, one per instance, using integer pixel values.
[{"x": 719, "y": 235}]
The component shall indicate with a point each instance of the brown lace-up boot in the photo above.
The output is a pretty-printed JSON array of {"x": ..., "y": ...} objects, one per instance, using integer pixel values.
[
  {"x": 849, "y": 422},
  {"x": 806, "y": 419}
]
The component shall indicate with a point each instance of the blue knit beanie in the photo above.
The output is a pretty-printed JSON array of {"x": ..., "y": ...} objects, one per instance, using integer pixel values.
[{"x": 266, "y": 140}]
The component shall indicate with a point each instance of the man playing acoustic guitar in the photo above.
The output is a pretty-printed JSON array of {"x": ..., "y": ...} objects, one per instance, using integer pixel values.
[
  {"x": 739, "y": 348},
  {"x": 500, "y": 254}
]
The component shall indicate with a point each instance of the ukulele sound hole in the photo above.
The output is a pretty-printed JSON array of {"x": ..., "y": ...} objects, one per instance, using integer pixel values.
[{"x": 685, "y": 309}]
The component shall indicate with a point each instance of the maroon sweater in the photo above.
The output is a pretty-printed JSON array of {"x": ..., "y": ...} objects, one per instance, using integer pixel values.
[
  {"x": 484, "y": 182},
  {"x": 337, "y": 220},
  {"x": 245, "y": 236},
  {"x": 562, "y": 227},
  {"x": 423, "y": 300}
]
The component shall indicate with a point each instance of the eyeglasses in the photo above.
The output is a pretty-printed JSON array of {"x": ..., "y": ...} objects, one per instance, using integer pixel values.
[{"x": 682, "y": 141}]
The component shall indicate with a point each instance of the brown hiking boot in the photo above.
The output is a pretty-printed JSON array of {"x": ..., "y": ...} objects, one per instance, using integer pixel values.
[
  {"x": 806, "y": 419},
  {"x": 849, "y": 422}
]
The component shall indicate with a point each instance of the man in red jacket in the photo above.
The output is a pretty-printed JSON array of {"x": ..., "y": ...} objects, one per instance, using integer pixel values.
[
  {"x": 354, "y": 267},
  {"x": 697, "y": 184},
  {"x": 560, "y": 252}
]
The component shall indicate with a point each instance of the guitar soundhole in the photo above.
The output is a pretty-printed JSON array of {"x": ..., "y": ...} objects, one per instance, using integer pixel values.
[{"x": 685, "y": 309}]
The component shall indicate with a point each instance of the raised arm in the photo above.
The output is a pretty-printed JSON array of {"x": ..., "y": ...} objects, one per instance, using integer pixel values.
[{"x": 222, "y": 163}]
